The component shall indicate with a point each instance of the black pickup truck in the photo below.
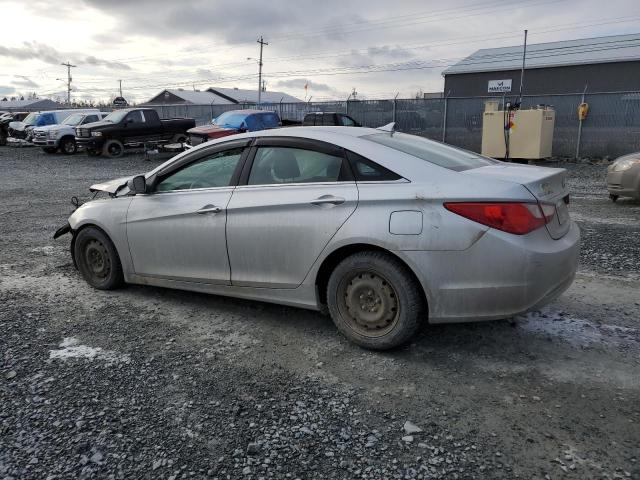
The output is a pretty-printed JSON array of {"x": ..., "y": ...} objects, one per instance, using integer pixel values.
[{"x": 130, "y": 128}]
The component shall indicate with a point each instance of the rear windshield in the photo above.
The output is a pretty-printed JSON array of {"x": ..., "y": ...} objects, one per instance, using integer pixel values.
[{"x": 437, "y": 153}]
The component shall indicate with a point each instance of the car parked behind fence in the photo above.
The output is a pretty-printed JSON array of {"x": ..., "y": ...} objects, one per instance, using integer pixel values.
[
  {"x": 232, "y": 122},
  {"x": 62, "y": 136}
]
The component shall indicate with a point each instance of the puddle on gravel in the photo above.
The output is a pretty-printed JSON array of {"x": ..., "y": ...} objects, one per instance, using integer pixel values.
[
  {"x": 576, "y": 331},
  {"x": 71, "y": 347}
]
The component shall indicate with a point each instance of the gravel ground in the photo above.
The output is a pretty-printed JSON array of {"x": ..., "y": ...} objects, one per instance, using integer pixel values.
[{"x": 152, "y": 383}]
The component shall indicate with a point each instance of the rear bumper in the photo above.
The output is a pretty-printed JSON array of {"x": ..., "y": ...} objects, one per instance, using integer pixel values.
[
  {"x": 625, "y": 183},
  {"x": 500, "y": 276}
]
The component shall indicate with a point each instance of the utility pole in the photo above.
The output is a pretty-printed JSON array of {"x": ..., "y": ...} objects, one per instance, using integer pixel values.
[
  {"x": 69, "y": 66},
  {"x": 120, "y": 81},
  {"x": 262, "y": 44},
  {"x": 524, "y": 59}
]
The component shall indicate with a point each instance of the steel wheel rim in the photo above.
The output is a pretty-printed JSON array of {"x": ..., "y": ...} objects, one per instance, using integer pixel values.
[
  {"x": 114, "y": 149},
  {"x": 97, "y": 260},
  {"x": 68, "y": 146},
  {"x": 368, "y": 303}
]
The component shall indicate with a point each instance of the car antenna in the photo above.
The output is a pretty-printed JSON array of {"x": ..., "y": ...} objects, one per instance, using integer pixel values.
[{"x": 389, "y": 127}]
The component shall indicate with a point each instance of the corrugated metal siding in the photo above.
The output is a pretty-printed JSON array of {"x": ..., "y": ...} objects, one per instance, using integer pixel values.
[{"x": 610, "y": 77}]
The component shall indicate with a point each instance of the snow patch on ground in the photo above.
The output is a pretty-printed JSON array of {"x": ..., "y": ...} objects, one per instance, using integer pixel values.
[
  {"x": 579, "y": 217},
  {"x": 70, "y": 347},
  {"x": 576, "y": 331}
]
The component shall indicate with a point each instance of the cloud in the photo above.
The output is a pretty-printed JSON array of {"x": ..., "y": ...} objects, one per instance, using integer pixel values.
[
  {"x": 47, "y": 54},
  {"x": 7, "y": 90},
  {"x": 91, "y": 60},
  {"x": 301, "y": 82},
  {"x": 24, "y": 81}
]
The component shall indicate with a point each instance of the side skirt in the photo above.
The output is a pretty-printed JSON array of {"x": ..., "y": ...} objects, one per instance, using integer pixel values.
[{"x": 303, "y": 297}]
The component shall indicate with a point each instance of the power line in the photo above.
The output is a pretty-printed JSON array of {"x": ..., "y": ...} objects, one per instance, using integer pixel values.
[{"x": 475, "y": 38}]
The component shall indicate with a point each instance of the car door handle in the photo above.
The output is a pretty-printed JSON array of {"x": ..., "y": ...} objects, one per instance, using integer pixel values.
[
  {"x": 209, "y": 209},
  {"x": 327, "y": 199}
]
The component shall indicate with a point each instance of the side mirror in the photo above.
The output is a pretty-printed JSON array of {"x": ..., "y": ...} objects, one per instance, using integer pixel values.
[{"x": 137, "y": 184}]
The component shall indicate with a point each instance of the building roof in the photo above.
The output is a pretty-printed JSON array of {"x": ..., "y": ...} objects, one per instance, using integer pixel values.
[
  {"x": 617, "y": 48},
  {"x": 224, "y": 96},
  {"x": 42, "y": 103},
  {"x": 251, "y": 96}
]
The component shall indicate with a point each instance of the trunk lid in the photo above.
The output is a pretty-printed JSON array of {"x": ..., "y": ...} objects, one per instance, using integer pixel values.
[{"x": 547, "y": 185}]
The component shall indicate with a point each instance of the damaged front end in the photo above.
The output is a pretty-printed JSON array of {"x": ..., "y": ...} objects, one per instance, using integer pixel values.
[{"x": 112, "y": 188}]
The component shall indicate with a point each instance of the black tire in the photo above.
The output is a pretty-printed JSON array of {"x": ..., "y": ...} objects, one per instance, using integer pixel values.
[
  {"x": 375, "y": 301},
  {"x": 68, "y": 145},
  {"x": 93, "y": 153},
  {"x": 50, "y": 150},
  {"x": 3, "y": 140},
  {"x": 179, "y": 138},
  {"x": 113, "y": 149},
  {"x": 97, "y": 259}
]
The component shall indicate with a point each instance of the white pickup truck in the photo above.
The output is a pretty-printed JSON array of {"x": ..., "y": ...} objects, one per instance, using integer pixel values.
[{"x": 62, "y": 136}]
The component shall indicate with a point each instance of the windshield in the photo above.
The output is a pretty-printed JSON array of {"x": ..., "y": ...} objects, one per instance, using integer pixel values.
[
  {"x": 434, "y": 152},
  {"x": 116, "y": 117},
  {"x": 31, "y": 119},
  {"x": 231, "y": 119},
  {"x": 74, "y": 119}
]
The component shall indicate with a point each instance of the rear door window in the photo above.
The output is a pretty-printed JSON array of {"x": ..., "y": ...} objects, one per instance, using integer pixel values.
[
  {"x": 347, "y": 121},
  {"x": 135, "y": 116},
  {"x": 278, "y": 165},
  {"x": 367, "y": 171},
  {"x": 270, "y": 120}
]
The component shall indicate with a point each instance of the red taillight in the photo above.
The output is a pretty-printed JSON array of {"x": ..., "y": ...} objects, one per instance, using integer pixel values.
[{"x": 516, "y": 218}]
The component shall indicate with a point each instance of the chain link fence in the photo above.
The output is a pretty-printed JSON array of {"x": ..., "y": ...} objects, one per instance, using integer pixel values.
[{"x": 612, "y": 127}]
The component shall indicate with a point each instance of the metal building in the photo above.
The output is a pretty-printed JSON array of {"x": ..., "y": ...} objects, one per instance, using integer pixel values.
[
  {"x": 602, "y": 64},
  {"x": 217, "y": 96}
]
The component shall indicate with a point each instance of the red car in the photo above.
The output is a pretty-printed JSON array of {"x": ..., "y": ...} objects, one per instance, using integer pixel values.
[{"x": 232, "y": 122}]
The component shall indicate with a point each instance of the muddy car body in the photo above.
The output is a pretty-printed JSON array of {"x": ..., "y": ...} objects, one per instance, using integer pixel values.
[{"x": 386, "y": 230}]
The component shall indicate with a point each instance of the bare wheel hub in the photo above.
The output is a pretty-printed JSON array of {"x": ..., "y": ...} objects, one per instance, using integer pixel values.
[
  {"x": 371, "y": 303},
  {"x": 97, "y": 259}
]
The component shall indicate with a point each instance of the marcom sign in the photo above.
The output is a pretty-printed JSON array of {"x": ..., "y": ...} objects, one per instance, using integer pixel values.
[{"x": 499, "y": 86}]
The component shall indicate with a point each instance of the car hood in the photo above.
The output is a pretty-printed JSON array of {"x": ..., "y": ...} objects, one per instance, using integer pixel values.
[
  {"x": 47, "y": 128},
  {"x": 110, "y": 186},
  {"x": 208, "y": 129},
  {"x": 18, "y": 126},
  {"x": 99, "y": 124}
]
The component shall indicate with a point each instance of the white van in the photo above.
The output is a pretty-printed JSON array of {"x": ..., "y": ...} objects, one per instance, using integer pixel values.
[
  {"x": 62, "y": 136},
  {"x": 24, "y": 130}
]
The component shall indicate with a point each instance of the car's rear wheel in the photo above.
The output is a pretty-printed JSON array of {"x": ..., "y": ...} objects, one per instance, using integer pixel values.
[
  {"x": 113, "y": 149},
  {"x": 375, "y": 301},
  {"x": 97, "y": 259},
  {"x": 68, "y": 146},
  {"x": 49, "y": 149}
]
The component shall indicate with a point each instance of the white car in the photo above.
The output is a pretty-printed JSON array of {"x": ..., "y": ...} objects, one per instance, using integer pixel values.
[{"x": 62, "y": 136}]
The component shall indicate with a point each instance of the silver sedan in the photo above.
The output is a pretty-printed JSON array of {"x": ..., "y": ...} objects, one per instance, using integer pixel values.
[{"x": 384, "y": 230}]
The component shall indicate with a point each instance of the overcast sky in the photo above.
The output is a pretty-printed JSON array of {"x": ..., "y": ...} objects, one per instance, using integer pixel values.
[{"x": 380, "y": 48}]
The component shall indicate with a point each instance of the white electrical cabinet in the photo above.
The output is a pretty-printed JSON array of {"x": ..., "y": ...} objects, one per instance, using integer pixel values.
[{"x": 530, "y": 136}]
